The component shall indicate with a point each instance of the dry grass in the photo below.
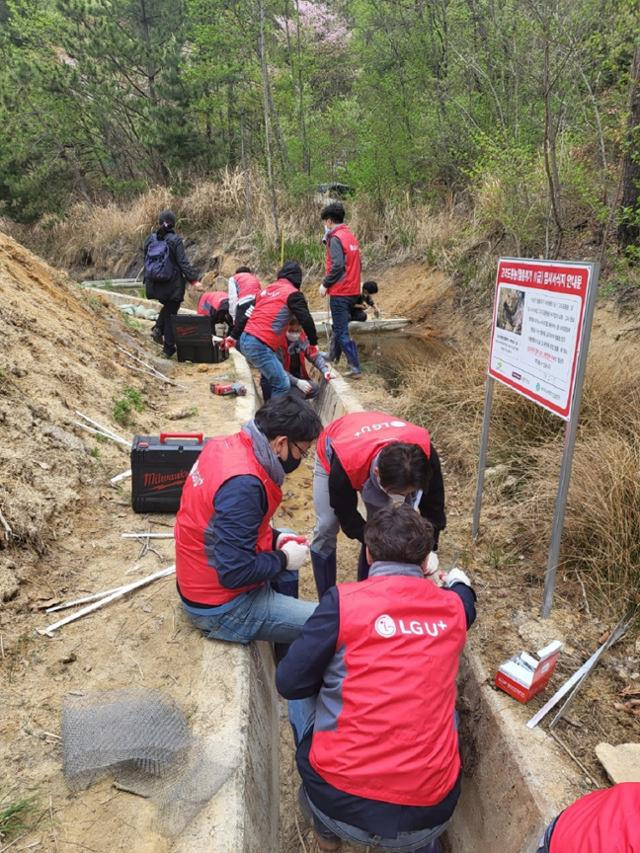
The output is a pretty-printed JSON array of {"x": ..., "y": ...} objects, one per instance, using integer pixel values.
[{"x": 601, "y": 538}]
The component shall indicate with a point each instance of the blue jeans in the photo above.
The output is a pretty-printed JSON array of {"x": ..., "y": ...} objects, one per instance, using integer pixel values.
[
  {"x": 264, "y": 359},
  {"x": 301, "y": 716},
  {"x": 340, "y": 307},
  {"x": 260, "y": 614}
]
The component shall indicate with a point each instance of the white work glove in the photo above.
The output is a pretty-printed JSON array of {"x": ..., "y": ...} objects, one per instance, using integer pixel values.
[
  {"x": 304, "y": 386},
  {"x": 456, "y": 576},
  {"x": 296, "y": 554},
  {"x": 322, "y": 290},
  {"x": 432, "y": 563}
]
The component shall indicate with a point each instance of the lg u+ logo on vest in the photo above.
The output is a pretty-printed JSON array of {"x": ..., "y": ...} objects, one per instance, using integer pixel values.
[
  {"x": 376, "y": 427},
  {"x": 387, "y": 627}
]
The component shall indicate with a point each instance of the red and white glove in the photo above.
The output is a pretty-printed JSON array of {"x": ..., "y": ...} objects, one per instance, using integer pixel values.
[
  {"x": 328, "y": 376},
  {"x": 322, "y": 290},
  {"x": 304, "y": 386},
  {"x": 312, "y": 351},
  {"x": 285, "y": 537},
  {"x": 196, "y": 285},
  {"x": 456, "y": 576},
  {"x": 296, "y": 554},
  {"x": 228, "y": 343}
]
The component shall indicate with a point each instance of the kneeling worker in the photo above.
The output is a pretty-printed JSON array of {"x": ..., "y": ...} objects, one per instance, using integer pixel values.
[
  {"x": 293, "y": 355},
  {"x": 228, "y": 557},
  {"x": 372, "y": 677},
  {"x": 215, "y": 304},
  {"x": 384, "y": 459}
]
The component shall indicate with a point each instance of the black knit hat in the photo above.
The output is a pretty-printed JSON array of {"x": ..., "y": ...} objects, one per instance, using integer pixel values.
[
  {"x": 292, "y": 271},
  {"x": 167, "y": 217}
]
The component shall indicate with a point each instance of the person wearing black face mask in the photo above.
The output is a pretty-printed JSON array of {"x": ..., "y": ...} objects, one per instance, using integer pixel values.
[{"x": 231, "y": 565}]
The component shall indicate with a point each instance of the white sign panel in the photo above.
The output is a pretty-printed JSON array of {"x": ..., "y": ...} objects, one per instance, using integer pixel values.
[{"x": 537, "y": 328}]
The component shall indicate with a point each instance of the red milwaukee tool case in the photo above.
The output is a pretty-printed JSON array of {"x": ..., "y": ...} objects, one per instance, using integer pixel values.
[
  {"x": 193, "y": 339},
  {"x": 159, "y": 467}
]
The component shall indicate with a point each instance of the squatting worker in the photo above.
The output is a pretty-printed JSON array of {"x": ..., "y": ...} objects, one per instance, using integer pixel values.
[
  {"x": 244, "y": 288},
  {"x": 228, "y": 557},
  {"x": 265, "y": 331},
  {"x": 372, "y": 677},
  {"x": 385, "y": 459},
  {"x": 166, "y": 272},
  {"x": 341, "y": 281},
  {"x": 606, "y": 821},
  {"x": 293, "y": 355}
]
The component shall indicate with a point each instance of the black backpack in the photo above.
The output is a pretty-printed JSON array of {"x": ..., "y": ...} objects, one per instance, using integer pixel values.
[{"x": 158, "y": 263}]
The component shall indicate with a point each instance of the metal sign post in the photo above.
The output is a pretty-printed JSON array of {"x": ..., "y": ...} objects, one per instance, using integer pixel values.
[
  {"x": 482, "y": 461},
  {"x": 542, "y": 318},
  {"x": 569, "y": 446}
]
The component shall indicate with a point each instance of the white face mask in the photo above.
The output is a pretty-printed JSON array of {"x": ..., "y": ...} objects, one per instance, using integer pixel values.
[
  {"x": 396, "y": 499},
  {"x": 326, "y": 230},
  {"x": 293, "y": 336}
]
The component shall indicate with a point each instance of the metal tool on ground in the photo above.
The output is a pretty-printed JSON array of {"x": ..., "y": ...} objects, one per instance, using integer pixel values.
[
  {"x": 586, "y": 667},
  {"x": 227, "y": 389}
]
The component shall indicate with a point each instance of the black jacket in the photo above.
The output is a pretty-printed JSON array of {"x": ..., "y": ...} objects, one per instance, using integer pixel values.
[{"x": 173, "y": 290}]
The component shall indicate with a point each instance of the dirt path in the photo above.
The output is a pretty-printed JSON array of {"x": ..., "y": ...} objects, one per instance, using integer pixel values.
[{"x": 142, "y": 641}]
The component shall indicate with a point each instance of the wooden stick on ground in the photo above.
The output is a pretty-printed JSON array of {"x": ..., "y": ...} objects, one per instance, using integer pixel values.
[
  {"x": 100, "y": 426},
  {"x": 8, "y": 532},
  {"x": 119, "y": 477},
  {"x": 121, "y": 441},
  {"x": 118, "y": 593},
  {"x": 145, "y": 535}
]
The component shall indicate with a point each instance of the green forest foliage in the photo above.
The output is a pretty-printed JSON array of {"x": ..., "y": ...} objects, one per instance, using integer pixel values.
[{"x": 525, "y": 102}]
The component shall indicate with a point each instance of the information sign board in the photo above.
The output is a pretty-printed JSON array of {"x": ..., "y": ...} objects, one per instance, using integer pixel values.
[{"x": 538, "y": 319}]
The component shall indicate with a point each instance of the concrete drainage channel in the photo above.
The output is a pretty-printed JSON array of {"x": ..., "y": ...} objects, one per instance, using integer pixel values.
[{"x": 515, "y": 779}]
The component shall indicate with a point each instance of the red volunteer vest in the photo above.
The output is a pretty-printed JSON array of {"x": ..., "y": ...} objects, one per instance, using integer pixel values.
[
  {"x": 270, "y": 317},
  {"x": 358, "y": 437},
  {"x": 394, "y": 739},
  {"x": 286, "y": 358},
  {"x": 247, "y": 284},
  {"x": 607, "y": 820},
  {"x": 222, "y": 458},
  {"x": 211, "y": 299},
  {"x": 349, "y": 285}
]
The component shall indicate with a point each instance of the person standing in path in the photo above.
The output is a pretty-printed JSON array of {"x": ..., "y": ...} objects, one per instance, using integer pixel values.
[
  {"x": 371, "y": 684},
  {"x": 230, "y": 562},
  {"x": 166, "y": 273},
  {"x": 244, "y": 289},
  {"x": 383, "y": 458},
  {"x": 265, "y": 330},
  {"x": 341, "y": 281}
]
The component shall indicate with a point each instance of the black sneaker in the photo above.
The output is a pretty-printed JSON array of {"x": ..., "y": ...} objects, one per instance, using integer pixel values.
[
  {"x": 156, "y": 336},
  {"x": 167, "y": 352}
]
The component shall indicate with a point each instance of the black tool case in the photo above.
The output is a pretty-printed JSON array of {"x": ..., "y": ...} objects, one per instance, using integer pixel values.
[
  {"x": 192, "y": 333},
  {"x": 159, "y": 467}
]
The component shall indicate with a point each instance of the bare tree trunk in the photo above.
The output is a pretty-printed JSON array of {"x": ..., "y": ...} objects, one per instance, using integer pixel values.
[
  {"x": 248, "y": 195},
  {"x": 267, "y": 125},
  {"x": 550, "y": 160},
  {"x": 629, "y": 228}
]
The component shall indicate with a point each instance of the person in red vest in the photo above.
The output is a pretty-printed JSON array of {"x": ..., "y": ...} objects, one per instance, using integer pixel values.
[
  {"x": 215, "y": 304},
  {"x": 606, "y": 821},
  {"x": 230, "y": 562},
  {"x": 293, "y": 356},
  {"x": 341, "y": 281},
  {"x": 265, "y": 331},
  {"x": 371, "y": 684},
  {"x": 382, "y": 457},
  {"x": 244, "y": 289}
]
